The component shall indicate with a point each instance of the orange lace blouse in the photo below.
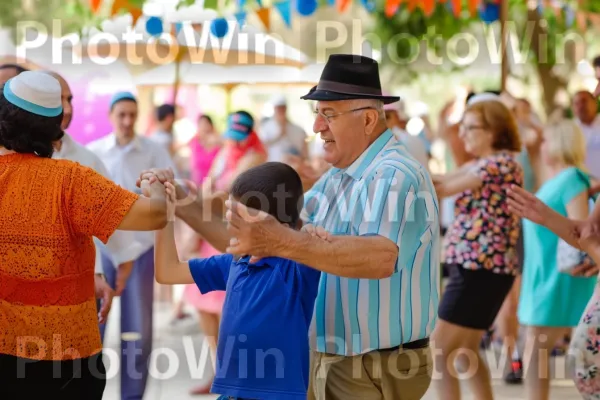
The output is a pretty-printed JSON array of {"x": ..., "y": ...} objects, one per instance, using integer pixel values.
[{"x": 49, "y": 211}]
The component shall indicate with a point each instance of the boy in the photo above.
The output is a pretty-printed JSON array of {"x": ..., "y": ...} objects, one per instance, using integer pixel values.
[{"x": 262, "y": 350}]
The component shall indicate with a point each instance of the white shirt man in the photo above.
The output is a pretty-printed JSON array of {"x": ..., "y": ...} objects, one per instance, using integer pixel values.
[
  {"x": 282, "y": 137},
  {"x": 122, "y": 246}
]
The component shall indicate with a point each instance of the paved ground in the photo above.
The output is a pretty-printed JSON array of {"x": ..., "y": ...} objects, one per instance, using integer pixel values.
[{"x": 176, "y": 382}]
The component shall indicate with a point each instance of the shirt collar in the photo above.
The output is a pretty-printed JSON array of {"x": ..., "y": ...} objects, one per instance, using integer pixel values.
[
  {"x": 359, "y": 166},
  {"x": 135, "y": 144},
  {"x": 263, "y": 262}
]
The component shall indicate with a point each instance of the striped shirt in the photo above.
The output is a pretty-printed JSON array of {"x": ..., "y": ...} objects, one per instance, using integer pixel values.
[{"x": 384, "y": 192}]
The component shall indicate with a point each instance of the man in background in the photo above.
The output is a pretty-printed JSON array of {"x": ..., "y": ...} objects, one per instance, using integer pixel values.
[
  {"x": 8, "y": 71},
  {"x": 165, "y": 118},
  {"x": 585, "y": 110},
  {"x": 397, "y": 119},
  {"x": 125, "y": 154},
  {"x": 281, "y": 137}
]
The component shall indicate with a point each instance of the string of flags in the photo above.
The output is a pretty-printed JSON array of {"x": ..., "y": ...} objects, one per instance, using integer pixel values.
[{"x": 487, "y": 10}]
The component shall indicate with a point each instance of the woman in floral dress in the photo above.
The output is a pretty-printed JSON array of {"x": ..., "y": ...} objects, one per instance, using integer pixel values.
[{"x": 480, "y": 245}]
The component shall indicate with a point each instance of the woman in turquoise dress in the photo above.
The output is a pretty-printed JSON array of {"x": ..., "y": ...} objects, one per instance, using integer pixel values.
[{"x": 550, "y": 300}]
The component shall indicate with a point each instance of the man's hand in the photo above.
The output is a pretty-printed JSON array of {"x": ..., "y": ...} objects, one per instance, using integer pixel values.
[
  {"x": 317, "y": 231},
  {"x": 252, "y": 232},
  {"x": 105, "y": 294},
  {"x": 123, "y": 272},
  {"x": 526, "y": 205}
]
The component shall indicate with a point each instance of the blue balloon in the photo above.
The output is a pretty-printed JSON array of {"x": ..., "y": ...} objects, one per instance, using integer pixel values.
[
  {"x": 154, "y": 26},
  {"x": 490, "y": 12},
  {"x": 306, "y": 7},
  {"x": 219, "y": 27}
]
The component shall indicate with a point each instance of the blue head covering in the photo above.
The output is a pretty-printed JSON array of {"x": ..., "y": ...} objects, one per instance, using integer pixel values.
[
  {"x": 122, "y": 96},
  {"x": 239, "y": 126}
]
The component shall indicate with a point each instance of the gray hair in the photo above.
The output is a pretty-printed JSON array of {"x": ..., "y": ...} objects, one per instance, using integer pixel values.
[{"x": 377, "y": 105}]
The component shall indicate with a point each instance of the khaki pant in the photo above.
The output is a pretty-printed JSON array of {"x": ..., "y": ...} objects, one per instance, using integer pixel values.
[{"x": 381, "y": 374}]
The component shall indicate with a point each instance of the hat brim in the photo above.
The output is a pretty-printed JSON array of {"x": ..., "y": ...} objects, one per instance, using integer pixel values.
[
  {"x": 326, "y": 95},
  {"x": 234, "y": 135}
]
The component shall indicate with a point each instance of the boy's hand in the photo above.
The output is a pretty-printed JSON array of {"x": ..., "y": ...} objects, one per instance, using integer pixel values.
[{"x": 317, "y": 231}]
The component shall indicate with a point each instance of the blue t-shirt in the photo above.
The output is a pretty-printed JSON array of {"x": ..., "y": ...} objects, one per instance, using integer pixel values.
[{"x": 262, "y": 351}]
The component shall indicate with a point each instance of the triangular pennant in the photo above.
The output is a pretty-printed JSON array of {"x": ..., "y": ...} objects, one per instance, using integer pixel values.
[
  {"x": 457, "y": 7},
  {"x": 211, "y": 4},
  {"x": 473, "y": 5},
  {"x": 241, "y": 3},
  {"x": 260, "y": 4},
  {"x": 265, "y": 17},
  {"x": 391, "y": 7},
  {"x": 285, "y": 10},
  {"x": 412, "y": 4},
  {"x": 342, "y": 5},
  {"x": 119, "y": 5},
  {"x": 429, "y": 6},
  {"x": 95, "y": 5},
  {"x": 197, "y": 28},
  {"x": 331, "y": 3},
  {"x": 240, "y": 17}
]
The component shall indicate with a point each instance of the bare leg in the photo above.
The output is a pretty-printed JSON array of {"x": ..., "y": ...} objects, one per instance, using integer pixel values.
[
  {"x": 508, "y": 324},
  {"x": 453, "y": 343},
  {"x": 539, "y": 344},
  {"x": 209, "y": 324}
]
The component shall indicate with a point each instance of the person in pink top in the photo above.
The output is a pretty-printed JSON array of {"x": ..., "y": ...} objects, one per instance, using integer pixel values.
[{"x": 218, "y": 166}]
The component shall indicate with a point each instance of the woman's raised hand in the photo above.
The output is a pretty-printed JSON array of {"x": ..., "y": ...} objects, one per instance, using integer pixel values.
[{"x": 526, "y": 205}]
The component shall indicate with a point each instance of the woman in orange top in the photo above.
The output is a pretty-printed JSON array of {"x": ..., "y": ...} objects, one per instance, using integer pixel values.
[{"x": 49, "y": 211}]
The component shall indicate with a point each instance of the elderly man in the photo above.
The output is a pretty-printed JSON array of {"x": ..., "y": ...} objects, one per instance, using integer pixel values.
[
  {"x": 122, "y": 245},
  {"x": 378, "y": 296}
]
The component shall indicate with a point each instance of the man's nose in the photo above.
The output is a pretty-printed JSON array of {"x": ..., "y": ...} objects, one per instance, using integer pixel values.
[{"x": 320, "y": 124}]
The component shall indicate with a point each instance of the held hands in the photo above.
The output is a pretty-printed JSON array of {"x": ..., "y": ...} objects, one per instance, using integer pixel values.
[{"x": 105, "y": 294}]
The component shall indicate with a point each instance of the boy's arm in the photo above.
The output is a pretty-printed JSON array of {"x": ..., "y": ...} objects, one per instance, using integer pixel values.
[{"x": 169, "y": 270}]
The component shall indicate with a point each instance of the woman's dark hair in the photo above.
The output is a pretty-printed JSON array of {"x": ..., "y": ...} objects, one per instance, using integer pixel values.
[
  {"x": 272, "y": 187},
  {"x": 207, "y": 118},
  {"x": 25, "y": 132}
]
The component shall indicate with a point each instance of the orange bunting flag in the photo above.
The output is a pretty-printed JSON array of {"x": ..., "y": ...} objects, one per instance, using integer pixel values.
[
  {"x": 457, "y": 7},
  {"x": 265, "y": 17},
  {"x": 95, "y": 5},
  {"x": 342, "y": 5},
  {"x": 428, "y": 7},
  {"x": 412, "y": 4},
  {"x": 119, "y": 5},
  {"x": 391, "y": 7},
  {"x": 473, "y": 5}
]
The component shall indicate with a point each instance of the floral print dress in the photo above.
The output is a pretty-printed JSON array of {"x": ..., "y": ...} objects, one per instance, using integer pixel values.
[
  {"x": 484, "y": 233},
  {"x": 585, "y": 347}
]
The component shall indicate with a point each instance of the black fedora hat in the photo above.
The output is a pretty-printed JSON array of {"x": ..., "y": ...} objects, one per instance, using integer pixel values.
[{"x": 348, "y": 77}]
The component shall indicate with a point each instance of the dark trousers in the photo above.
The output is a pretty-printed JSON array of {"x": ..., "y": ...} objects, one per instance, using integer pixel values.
[{"x": 27, "y": 379}]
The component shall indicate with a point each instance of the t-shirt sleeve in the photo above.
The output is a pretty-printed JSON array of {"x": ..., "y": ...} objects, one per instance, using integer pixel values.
[
  {"x": 573, "y": 184},
  {"x": 302, "y": 281},
  {"x": 211, "y": 273},
  {"x": 96, "y": 204}
]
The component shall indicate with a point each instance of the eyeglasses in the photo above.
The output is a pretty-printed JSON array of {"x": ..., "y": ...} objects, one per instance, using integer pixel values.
[
  {"x": 328, "y": 117},
  {"x": 471, "y": 128}
]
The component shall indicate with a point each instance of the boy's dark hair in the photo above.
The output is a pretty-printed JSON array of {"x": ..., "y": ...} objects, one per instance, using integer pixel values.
[
  {"x": 272, "y": 187},
  {"x": 164, "y": 111},
  {"x": 596, "y": 62},
  {"x": 16, "y": 67}
]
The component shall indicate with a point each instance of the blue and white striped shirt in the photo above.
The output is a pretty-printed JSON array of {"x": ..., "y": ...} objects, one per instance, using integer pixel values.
[{"x": 384, "y": 192}]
